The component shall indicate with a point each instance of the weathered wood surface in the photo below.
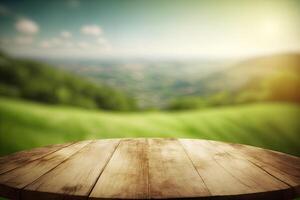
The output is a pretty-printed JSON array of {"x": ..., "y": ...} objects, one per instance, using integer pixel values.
[
  {"x": 149, "y": 169},
  {"x": 126, "y": 174}
]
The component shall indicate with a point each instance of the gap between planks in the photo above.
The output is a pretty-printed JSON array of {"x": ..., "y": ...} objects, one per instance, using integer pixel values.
[
  {"x": 121, "y": 140},
  {"x": 94, "y": 184},
  {"x": 20, "y": 190},
  {"x": 17, "y": 190},
  {"x": 282, "y": 186},
  {"x": 195, "y": 168},
  {"x": 245, "y": 157},
  {"x": 47, "y": 154}
]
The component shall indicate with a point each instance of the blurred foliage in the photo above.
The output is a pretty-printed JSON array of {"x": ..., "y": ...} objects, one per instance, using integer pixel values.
[
  {"x": 271, "y": 78},
  {"x": 40, "y": 82},
  {"x": 283, "y": 86},
  {"x": 24, "y": 125},
  {"x": 189, "y": 84},
  {"x": 195, "y": 102}
]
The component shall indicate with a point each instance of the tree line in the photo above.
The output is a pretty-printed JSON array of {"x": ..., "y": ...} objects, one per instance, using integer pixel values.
[{"x": 27, "y": 79}]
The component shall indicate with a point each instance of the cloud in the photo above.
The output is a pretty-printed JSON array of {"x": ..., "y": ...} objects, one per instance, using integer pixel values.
[
  {"x": 24, "y": 40},
  {"x": 83, "y": 45},
  {"x": 101, "y": 41},
  {"x": 55, "y": 41},
  {"x": 93, "y": 30},
  {"x": 68, "y": 44},
  {"x": 52, "y": 42},
  {"x": 27, "y": 26},
  {"x": 66, "y": 34},
  {"x": 45, "y": 44}
]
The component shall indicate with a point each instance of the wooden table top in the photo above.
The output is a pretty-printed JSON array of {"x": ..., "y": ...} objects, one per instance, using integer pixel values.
[{"x": 149, "y": 169}]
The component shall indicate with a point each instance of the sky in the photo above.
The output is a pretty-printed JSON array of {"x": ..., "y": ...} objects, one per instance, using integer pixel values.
[{"x": 149, "y": 29}]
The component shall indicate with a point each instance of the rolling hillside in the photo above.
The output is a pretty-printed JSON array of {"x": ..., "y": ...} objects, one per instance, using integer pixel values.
[
  {"x": 273, "y": 78},
  {"x": 156, "y": 84},
  {"x": 152, "y": 82},
  {"x": 250, "y": 73},
  {"x": 37, "y": 81},
  {"x": 25, "y": 125}
]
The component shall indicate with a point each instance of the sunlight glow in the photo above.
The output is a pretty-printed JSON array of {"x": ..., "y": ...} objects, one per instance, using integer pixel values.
[{"x": 272, "y": 28}]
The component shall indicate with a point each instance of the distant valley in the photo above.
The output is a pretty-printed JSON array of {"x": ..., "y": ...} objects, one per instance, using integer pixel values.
[{"x": 154, "y": 84}]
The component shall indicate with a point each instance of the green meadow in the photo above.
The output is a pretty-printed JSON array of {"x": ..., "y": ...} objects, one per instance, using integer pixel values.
[{"x": 24, "y": 125}]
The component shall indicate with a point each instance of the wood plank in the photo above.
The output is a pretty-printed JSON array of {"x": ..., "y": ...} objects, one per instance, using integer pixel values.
[
  {"x": 282, "y": 166},
  {"x": 18, "y": 159},
  {"x": 150, "y": 168},
  {"x": 74, "y": 178},
  {"x": 12, "y": 181},
  {"x": 238, "y": 176},
  {"x": 211, "y": 171},
  {"x": 126, "y": 174},
  {"x": 171, "y": 173}
]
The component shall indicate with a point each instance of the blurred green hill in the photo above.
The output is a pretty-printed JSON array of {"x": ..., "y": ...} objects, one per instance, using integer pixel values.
[
  {"x": 273, "y": 78},
  {"x": 160, "y": 85},
  {"x": 254, "y": 102},
  {"x": 40, "y": 82},
  {"x": 198, "y": 83},
  {"x": 24, "y": 125}
]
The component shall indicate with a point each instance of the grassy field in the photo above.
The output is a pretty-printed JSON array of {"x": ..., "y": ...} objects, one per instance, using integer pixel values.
[{"x": 25, "y": 125}]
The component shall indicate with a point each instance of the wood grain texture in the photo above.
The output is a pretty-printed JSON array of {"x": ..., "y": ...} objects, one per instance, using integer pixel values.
[
  {"x": 282, "y": 166},
  {"x": 171, "y": 173},
  {"x": 17, "y": 179},
  {"x": 18, "y": 159},
  {"x": 83, "y": 169},
  {"x": 149, "y": 169},
  {"x": 238, "y": 176},
  {"x": 126, "y": 174}
]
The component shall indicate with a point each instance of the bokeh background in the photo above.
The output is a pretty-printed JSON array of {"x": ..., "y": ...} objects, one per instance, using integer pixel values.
[{"x": 222, "y": 70}]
